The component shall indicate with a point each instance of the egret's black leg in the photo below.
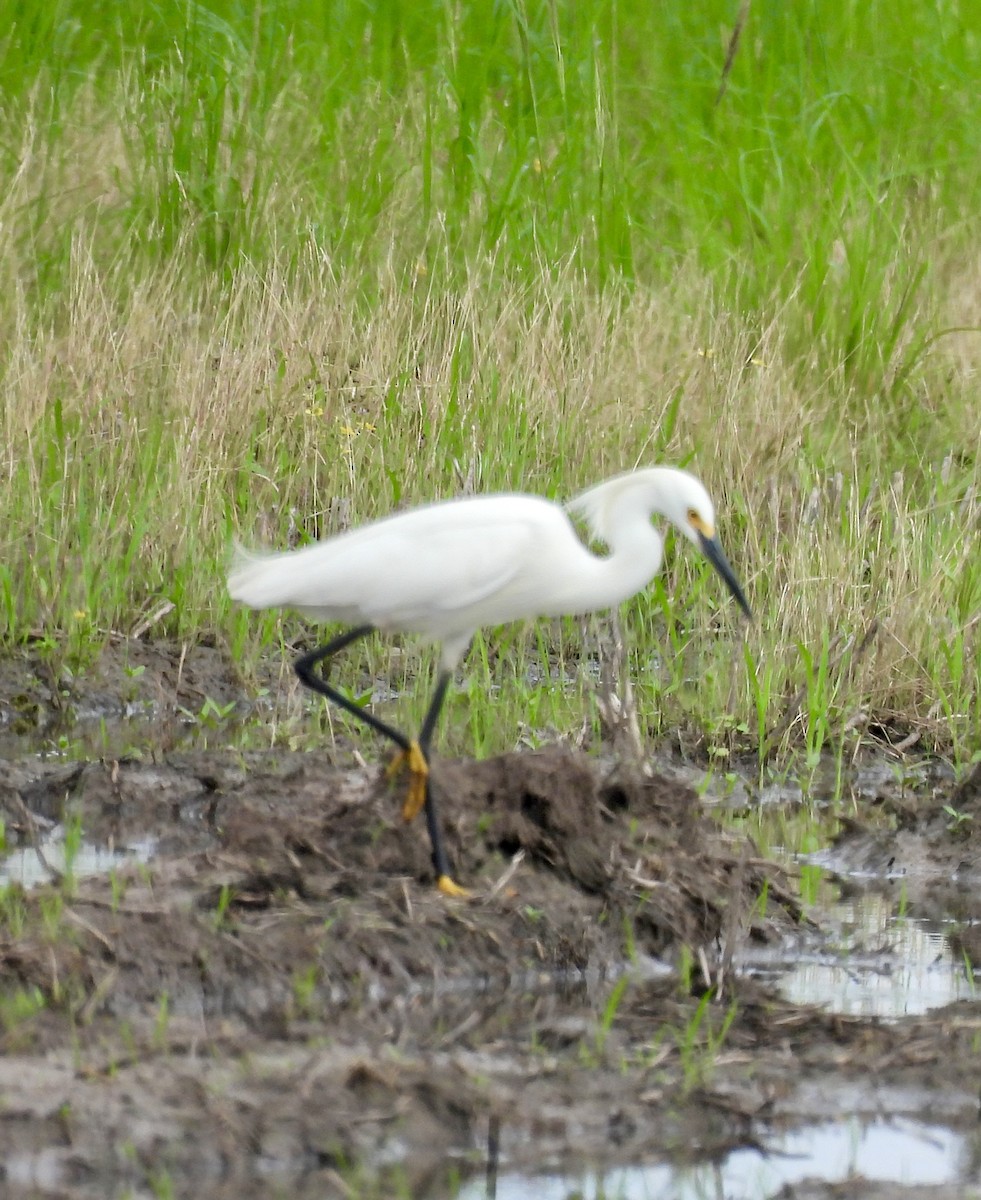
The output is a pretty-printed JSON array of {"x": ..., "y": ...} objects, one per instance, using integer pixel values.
[
  {"x": 444, "y": 881},
  {"x": 413, "y": 750},
  {"x": 304, "y": 668},
  {"x": 432, "y": 713}
]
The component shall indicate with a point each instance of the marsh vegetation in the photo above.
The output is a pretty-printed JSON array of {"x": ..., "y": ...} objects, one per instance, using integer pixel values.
[{"x": 267, "y": 272}]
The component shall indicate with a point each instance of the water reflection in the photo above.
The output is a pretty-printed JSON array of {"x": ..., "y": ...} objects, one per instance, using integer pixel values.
[
  {"x": 901, "y": 1152},
  {"x": 880, "y": 963},
  {"x": 27, "y": 868}
]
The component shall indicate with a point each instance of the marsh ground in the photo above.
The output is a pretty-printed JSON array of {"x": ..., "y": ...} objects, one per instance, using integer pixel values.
[{"x": 276, "y": 1001}]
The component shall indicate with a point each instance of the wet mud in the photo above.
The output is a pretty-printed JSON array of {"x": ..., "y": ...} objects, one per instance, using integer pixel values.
[
  {"x": 930, "y": 851},
  {"x": 280, "y": 1003}
]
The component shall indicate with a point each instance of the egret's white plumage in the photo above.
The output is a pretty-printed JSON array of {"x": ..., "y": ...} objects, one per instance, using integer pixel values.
[{"x": 447, "y": 569}]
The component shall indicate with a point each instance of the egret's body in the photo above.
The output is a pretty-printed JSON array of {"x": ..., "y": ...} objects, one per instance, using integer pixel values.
[{"x": 447, "y": 569}]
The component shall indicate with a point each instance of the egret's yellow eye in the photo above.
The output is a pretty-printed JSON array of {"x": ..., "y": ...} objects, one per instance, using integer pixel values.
[{"x": 699, "y": 524}]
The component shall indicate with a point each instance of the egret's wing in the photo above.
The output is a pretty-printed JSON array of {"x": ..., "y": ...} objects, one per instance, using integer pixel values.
[
  {"x": 454, "y": 571},
  {"x": 472, "y": 560}
]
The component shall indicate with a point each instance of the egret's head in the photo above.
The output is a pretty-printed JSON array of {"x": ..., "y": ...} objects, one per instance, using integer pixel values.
[
  {"x": 692, "y": 512},
  {"x": 694, "y": 515}
]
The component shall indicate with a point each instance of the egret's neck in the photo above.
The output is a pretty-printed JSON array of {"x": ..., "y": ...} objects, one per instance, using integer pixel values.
[
  {"x": 619, "y": 513},
  {"x": 636, "y": 554},
  {"x": 604, "y": 580}
]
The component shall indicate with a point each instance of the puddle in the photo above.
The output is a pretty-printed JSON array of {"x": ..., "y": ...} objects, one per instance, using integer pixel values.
[
  {"x": 885, "y": 965},
  {"x": 875, "y": 961},
  {"x": 26, "y": 868},
  {"x": 901, "y": 1152}
]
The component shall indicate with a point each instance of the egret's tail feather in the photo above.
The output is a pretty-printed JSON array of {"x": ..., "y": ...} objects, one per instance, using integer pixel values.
[
  {"x": 258, "y": 579},
  {"x": 313, "y": 580}
]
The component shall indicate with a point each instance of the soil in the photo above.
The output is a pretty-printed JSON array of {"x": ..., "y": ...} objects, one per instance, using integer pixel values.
[{"x": 281, "y": 1003}]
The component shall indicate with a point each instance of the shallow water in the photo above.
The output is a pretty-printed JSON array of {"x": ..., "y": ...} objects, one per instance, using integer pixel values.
[
  {"x": 874, "y": 961},
  {"x": 887, "y": 965},
  {"x": 27, "y": 868},
  {"x": 902, "y": 1152}
]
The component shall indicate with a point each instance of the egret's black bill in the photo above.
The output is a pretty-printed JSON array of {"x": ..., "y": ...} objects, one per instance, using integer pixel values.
[{"x": 712, "y": 549}]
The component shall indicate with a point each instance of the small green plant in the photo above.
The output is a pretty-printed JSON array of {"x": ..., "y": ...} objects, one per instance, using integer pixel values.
[
  {"x": 13, "y": 910},
  {"x": 957, "y": 820},
  {"x": 902, "y": 903},
  {"x": 629, "y": 940},
  {"x": 132, "y": 674},
  {"x": 71, "y": 846},
  {"x": 810, "y": 881},
  {"x": 129, "y": 1041},
  {"x": 117, "y": 889},
  {"x": 761, "y": 689},
  {"x": 219, "y": 917},
  {"x": 970, "y": 978},
  {"x": 699, "y": 1045},
  {"x": 610, "y": 1010},
  {"x": 52, "y": 914},
  {"x": 305, "y": 982},
  {"x": 161, "y": 1184},
  {"x": 817, "y": 700},
  {"x": 211, "y": 714},
  {"x": 19, "y": 1006},
  {"x": 762, "y": 900},
  {"x": 161, "y": 1024}
]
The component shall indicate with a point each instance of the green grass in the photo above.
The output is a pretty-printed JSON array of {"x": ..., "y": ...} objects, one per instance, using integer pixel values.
[{"x": 267, "y": 270}]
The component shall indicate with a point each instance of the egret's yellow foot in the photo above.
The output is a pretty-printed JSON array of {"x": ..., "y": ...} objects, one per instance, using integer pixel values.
[
  {"x": 447, "y": 886},
  {"x": 415, "y": 797}
]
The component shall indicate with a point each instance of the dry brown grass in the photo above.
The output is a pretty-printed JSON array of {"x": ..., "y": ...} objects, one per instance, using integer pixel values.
[{"x": 288, "y": 406}]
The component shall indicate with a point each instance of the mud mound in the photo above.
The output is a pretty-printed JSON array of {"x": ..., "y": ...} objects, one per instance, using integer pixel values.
[
  {"x": 271, "y": 868},
  {"x": 289, "y": 924}
]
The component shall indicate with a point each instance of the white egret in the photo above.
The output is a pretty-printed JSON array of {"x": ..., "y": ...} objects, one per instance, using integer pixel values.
[{"x": 446, "y": 569}]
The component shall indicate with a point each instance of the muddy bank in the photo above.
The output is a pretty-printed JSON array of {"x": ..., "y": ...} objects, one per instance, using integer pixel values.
[
  {"x": 571, "y": 868},
  {"x": 41, "y": 693},
  {"x": 279, "y": 1002},
  {"x": 403, "y": 1099},
  {"x": 282, "y": 990}
]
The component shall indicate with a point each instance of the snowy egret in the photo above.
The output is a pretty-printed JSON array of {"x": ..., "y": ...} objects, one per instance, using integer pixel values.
[{"x": 446, "y": 569}]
